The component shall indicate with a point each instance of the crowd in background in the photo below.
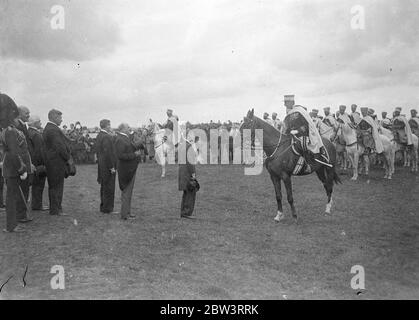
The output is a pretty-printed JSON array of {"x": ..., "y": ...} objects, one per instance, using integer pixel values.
[{"x": 82, "y": 139}]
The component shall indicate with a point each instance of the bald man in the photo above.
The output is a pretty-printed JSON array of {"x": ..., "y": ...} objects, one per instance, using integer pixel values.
[
  {"x": 37, "y": 147},
  {"x": 128, "y": 158}
]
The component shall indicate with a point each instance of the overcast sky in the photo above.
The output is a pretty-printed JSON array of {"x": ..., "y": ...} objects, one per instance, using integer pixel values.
[{"x": 208, "y": 60}]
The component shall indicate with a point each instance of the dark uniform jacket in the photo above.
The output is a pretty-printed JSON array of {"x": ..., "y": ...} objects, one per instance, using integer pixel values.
[
  {"x": 16, "y": 158},
  {"x": 57, "y": 151},
  {"x": 127, "y": 160},
  {"x": 186, "y": 170},
  {"x": 105, "y": 155}
]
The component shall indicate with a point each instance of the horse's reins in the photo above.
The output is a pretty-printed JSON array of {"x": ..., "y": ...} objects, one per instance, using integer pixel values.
[{"x": 274, "y": 145}]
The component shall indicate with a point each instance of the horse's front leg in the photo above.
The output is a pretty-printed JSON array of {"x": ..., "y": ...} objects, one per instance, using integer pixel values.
[
  {"x": 288, "y": 187},
  {"x": 355, "y": 163},
  {"x": 367, "y": 164},
  {"x": 277, "y": 185}
]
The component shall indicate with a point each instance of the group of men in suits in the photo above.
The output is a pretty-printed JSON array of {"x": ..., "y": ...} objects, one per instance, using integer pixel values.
[
  {"x": 119, "y": 153},
  {"x": 31, "y": 156}
]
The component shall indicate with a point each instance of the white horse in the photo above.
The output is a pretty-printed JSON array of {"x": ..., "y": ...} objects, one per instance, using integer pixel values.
[
  {"x": 356, "y": 151},
  {"x": 163, "y": 146}
]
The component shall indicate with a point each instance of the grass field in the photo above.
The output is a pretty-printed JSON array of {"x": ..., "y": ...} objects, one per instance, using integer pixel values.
[{"x": 233, "y": 250}]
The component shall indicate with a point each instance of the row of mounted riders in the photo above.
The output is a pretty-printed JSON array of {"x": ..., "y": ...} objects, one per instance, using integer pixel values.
[{"x": 394, "y": 137}]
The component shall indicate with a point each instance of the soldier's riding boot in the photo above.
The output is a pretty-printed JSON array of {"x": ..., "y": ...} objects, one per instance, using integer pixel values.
[{"x": 322, "y": 157}]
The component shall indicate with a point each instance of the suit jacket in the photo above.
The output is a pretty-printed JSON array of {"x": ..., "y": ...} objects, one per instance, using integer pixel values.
[
  {"x": 16, "y": 158},
  {"x": 36, "y": 147},
  {"x": 127, "y": 160},
  {"x": 185, "y": 170},
  {"x": 57, "y": 152},
  {"x": 105, "y": 155}
]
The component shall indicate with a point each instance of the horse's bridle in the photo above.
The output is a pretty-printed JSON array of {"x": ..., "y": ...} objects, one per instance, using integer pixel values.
[{"x": 252, "y": 145}]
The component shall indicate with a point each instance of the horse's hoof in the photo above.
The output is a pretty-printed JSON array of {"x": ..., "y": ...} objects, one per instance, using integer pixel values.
[{"x": 279, "y": 217}]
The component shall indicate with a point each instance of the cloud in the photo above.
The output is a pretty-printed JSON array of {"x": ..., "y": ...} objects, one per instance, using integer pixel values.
[
  {"x": 26, "y": 31},
  {"x": 130, "y": 60}
]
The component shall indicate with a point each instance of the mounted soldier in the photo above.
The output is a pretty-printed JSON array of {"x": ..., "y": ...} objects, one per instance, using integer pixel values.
[
  {"x": 328, "y": 119},
  {"x": 414, "y": 122},
  {"x": 276, "y": 121},
  {"x": 356, "y": 117},
  {"x": 343, "y": 116},
  {"x": 172, "y": 123},
  {"x": 369, "y": 132},
  {"x": 385, "y": 122},
  {"x": 314, "y": 114},
  {"x": 299, "y": 123},
  {"x": 400, "y": 124}
]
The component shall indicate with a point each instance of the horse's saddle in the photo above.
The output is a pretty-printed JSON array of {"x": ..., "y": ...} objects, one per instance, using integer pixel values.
[{"x": 307, "y": 159}]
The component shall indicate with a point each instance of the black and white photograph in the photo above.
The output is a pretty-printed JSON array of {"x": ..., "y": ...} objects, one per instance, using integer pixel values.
[{"x": 209, "y": 150}]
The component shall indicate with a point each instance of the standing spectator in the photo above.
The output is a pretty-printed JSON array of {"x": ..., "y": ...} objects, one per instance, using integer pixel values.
[
  {"x": 14, "y": 168},
  {"x": 21, "y": 124},
  {"x": 187, "y": 178},
  {"x": 127, "y": 163},
  {"x": 57, "y": 154},
  {"x": 36, "y": 143},
  {"x": 106, "y": 166},
  {"x": 2, "y": 206}
]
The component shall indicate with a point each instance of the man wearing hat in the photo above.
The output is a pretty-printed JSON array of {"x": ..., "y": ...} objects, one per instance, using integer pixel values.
[
  {"x": 299, "y": 123},
  {"x": 289, "y": 102},
  {"x": 266, "y": 119},
  {"x": 355, "y": 114},
  {"x": 276, "y": 121},
  {"x": 187, "y": 182},
  {"x": 343, "y": 116},
  {"x": 385, "y": 122},
  {"x": 396, "y": 113},
  {"x": 172, "y": 123},
  {"x": 371, "y": 113},
  {"x": 315, "y": 117},
  {"x": 414, "y": 122},
  {"x": 402, "y": 118},
  {"x": 372, "y": 125},
  {"x": 328, "y": 118}
]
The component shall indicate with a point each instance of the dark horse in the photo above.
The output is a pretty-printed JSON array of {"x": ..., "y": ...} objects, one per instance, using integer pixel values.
[{"x": 281, "y": 161}]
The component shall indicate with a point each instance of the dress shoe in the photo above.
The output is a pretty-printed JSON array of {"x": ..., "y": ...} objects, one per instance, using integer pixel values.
[
  {"x": 62, "y": 214},
  {"x": 187, "y": 217},
  {"x": 16, "y": 229},
  {"x": 40, "y": 209},
  {"x": 25, "y": 220}
]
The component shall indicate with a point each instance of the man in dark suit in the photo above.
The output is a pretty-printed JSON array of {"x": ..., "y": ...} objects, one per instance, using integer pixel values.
[
  {"x": 57, "y": 154},
  {"x": 36, "y": 145},
  {"x": 187, "y": 178},
  {"x": 106, "y": 166},
  {"x": 127, "y": 162}
]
